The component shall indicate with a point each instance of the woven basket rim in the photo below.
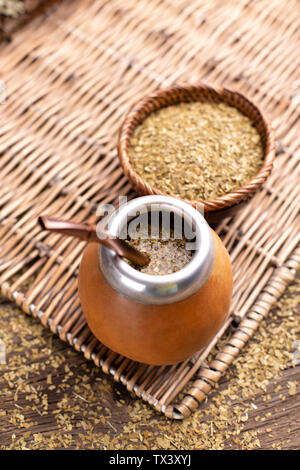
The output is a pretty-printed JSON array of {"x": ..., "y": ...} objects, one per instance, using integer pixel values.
[{"x": 226, "y": 201}]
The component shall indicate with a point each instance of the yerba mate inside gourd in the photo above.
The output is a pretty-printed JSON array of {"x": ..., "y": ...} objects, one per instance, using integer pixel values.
[
  {"x": 196, "y": 151},
  {"x": 166, "y": 247}
]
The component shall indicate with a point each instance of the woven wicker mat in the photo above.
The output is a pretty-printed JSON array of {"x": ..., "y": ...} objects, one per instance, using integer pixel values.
[{"x": 70, "y": 76}]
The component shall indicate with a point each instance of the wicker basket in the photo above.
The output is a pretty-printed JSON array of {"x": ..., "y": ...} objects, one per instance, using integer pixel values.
[{"x": 220, "y": 207}]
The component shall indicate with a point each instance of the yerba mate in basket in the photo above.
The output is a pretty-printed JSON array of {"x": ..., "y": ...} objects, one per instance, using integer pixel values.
[
  {"x": 165, "y": 247},
  {"x": 196, "y": 150},
  {"x": 198, "y": 143}
]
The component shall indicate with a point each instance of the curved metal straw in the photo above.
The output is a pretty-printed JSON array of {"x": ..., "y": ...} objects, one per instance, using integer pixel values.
[{"x": 88, "y": 233}]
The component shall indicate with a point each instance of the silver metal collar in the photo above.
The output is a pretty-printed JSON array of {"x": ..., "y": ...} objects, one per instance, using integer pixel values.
[{"x": 158, "y": 290}]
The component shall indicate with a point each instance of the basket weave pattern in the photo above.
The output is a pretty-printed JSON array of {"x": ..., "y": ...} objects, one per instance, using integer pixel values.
[{"x": 70, "y": 79}]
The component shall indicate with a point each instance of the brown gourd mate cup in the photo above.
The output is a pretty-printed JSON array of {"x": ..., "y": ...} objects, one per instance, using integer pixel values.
[
  {"x": 227, "y": 204},
  {"x": 156, "y": 320}
]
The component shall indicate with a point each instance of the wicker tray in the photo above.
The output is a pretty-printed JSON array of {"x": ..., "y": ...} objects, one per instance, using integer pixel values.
[
  {"x": 70, "y": 78},
  {"x": 13, "y": 19}
]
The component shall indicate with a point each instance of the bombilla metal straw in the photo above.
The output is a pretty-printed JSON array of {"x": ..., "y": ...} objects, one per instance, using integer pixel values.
[{"x": 88, "y": 233}]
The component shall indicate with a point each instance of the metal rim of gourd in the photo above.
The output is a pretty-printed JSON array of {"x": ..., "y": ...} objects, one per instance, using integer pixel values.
[{"x": 159, "y": 289}]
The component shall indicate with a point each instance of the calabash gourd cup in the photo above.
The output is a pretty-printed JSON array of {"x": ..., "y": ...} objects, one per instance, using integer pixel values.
[
  {"x": 156, "y": 320},
  {"x": 227, "y": 204}
]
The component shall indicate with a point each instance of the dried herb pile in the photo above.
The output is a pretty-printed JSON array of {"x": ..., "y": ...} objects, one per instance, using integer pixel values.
[
  {"x": 12, "y": 8},
  {"x": 52, "y": 398},
  {"x": 196, "y": 151},
  {"x": 166, "y": 256}
]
